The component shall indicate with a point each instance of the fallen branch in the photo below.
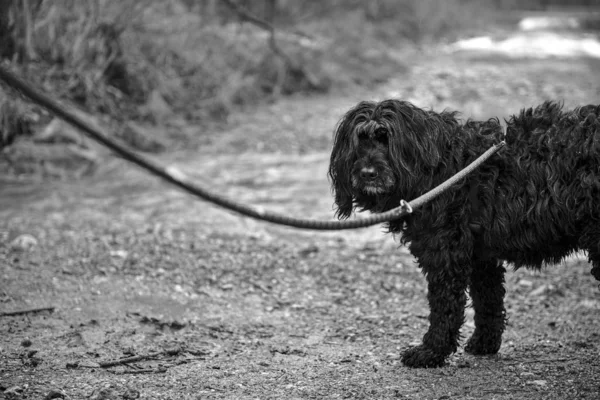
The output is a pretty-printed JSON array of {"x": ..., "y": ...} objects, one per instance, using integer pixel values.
[
  {"x": 129, "y": 360},
  {"x": 26, "y": 311},
  {"x": 249, "y": 17},
  {"x": 543, "y": 360},
  {"x": 260, "y": 286},
  {"x": 141, "y": 371}
]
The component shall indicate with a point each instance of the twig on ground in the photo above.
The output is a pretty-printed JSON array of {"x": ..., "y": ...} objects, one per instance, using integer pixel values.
[
  {"x": 505, "y": 391},
  {"x": 260, "y": 286},
  {"x": 300, "y": 335},
  {"x": 543, "y": 360},
  {"x": 129, "y": 360},
  {"x": 26, "y": 311},
  {"x": 141, "y": 371},
  {"x": 141, "y": 357}
]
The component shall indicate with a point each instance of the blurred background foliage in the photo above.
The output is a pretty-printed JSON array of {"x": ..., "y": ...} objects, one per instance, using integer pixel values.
[{"x": 200, "y": 59}]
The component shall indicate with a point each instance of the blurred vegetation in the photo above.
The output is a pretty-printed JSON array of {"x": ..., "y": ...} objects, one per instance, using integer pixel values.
[
  {"x": 199, "y": 59},
  {"x": 14, "y": 120}
]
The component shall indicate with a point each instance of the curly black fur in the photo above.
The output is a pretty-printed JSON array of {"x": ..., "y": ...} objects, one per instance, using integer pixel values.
[{"x": 531, "y": 204}]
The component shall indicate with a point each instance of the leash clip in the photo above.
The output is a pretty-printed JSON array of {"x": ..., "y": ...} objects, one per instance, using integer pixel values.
[{"x": 405, "y": 207}]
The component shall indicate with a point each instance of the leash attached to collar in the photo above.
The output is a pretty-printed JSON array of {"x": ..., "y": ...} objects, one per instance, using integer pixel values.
[{"x": 179, "y": 179}]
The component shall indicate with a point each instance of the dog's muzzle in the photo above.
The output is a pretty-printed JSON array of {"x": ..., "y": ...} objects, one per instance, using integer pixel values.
[
  {"x": 368, "y": 174},
  {"x": 371, "y": 180}
]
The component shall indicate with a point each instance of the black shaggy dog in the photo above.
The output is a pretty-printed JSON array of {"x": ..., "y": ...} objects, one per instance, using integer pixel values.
[{"x": 533, "y": 203}]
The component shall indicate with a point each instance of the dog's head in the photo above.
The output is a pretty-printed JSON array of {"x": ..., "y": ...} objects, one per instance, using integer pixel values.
[{"x": 380, "y": 149}]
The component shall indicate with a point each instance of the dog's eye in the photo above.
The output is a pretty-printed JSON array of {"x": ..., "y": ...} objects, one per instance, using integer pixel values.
[
  {"x": 363, "y": 136},
  {"x": 381, "y": 135}
]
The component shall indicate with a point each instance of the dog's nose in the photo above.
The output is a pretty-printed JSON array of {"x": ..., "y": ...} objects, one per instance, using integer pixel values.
[{"x": 368, "y": 173}]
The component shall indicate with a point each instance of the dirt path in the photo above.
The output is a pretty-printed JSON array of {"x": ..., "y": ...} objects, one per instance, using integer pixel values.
[{"x": 233, "y": 308}]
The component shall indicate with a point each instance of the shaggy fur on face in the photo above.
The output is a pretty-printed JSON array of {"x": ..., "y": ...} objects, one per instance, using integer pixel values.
[{"x": 533, "y": 203}]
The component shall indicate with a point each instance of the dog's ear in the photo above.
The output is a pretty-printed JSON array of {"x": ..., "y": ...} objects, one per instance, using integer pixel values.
[{"x": 343, "y": 156}]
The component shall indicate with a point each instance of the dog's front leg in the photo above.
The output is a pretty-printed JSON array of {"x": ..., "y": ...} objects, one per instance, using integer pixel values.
[{"x": 447, "y": 299}]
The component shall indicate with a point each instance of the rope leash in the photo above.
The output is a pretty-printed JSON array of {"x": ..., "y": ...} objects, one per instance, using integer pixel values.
[{"x": 179, "y": 179}]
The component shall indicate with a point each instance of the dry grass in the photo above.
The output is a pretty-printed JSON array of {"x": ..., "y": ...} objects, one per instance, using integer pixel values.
[
  {"x": 83, "y": 56},
  {"x": 113, "y": 57},
  {"x": 108, "y": 55}
]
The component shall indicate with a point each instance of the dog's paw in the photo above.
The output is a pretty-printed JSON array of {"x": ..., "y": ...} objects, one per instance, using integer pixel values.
[
  {"x": 480, "y": 345},
  {"x": 422, "y": 357}
]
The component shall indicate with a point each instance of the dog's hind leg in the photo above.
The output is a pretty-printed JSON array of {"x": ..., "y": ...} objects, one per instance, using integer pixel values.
[
  {"x": 596, "y": 271},
  {"x": 590, "y": 241},
  {"x": 594, "y": 258},
  {"x": 487, "y": 292}
]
